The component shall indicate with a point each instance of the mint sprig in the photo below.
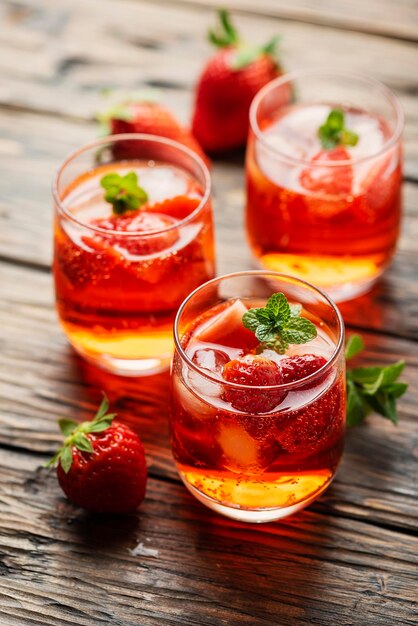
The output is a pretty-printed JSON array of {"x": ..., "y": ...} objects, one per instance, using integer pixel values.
[
  {"x": 123, "y": 192},
  {"x": 278, "y": 324},
  {"x": 75, "y": 435},
  {"x": 372, "y": 389},
  {"x": 333, "y": 132}
]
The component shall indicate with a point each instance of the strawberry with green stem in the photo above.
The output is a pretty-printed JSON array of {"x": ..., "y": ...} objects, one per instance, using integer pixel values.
[
  {"x": 101, "y": 466},
  {"x": 141, "y": 114},
  {"x": 227, "y": 86}
]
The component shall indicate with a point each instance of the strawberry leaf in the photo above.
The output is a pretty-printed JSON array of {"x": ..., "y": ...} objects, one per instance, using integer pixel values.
[
  {"x": 81, "y": 442},
  {"x": 225, "y": 33},
  {"x": 66, "y": 459},
  {"x": 67, "y": 426},
  {"x": 103, "y": 408}
]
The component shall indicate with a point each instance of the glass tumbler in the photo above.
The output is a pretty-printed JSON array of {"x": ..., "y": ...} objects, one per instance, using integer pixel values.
[
  {"x": 255, "y": 453},
  {"x": 120, "y": 278}
]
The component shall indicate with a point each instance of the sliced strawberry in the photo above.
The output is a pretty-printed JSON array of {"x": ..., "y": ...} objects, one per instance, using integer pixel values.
[
  {"x": 333, "y": 181},
  {"x": 178, "y": 207},
  {"x": 140, "y": 222},
  {"x": 297, "y": 367},
  {"x": 227, "y": 329},
  {"x": 253, "y": 370},
  {"x": 310, "y": 428}
]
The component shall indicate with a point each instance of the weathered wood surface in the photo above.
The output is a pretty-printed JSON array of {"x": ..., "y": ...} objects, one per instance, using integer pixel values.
[{"x": 352, "y": 557}]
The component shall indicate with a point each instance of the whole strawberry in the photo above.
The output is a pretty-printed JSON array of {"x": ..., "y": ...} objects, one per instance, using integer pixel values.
[
  {"x": 227, "y": 85},
  {"x": 101, "y": 466},
  {"x": 150, "y": 118}
]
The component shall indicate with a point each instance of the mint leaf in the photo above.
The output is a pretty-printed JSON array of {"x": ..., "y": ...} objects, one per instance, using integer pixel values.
[
  {"x": 278, "y": 324},
  {"x": 354, "y": 346},
  {"x": 357, "y": 407},
  {"x": 372, "y": 388},
  {"x": 251, "y": 320},
  {"x": 333, "y": 132},
  {"x": 123, "y": 192},
  {"x": 278, "y": 306},
  {"x": 299, "y": 330}
]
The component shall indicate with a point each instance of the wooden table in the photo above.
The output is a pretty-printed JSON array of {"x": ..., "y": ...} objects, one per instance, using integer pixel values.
[{"x": 351, "y": 557}]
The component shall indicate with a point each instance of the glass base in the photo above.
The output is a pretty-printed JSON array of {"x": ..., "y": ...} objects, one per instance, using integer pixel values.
[
  {"x": 252, "y": 516},
  {"x": 352, "y": 285},
  {"x": 126, "y": 367},
  {"x": 123, "y": 353}
]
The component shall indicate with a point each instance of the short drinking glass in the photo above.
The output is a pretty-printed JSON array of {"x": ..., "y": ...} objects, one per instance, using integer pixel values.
[
  {"x": 324, "y": 172},
  {"x": 257, "y": 434},
  {"x": 133, "y": 236}
]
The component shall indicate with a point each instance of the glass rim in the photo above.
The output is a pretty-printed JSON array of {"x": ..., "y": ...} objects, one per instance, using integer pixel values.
[
  {"x": 97, "y": 143},
  {"x": 285, "y": 386},
  {"x": 289, "y": 77}
]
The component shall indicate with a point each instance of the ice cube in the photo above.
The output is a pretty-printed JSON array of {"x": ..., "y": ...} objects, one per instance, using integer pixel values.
[
  {"x": 194, "y": 404},
  {"x": 227, "y": 328},
  {"x": 210, "y": 359}
]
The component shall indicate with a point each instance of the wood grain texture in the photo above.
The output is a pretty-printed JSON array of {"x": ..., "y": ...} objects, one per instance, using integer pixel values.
[
  {"x": 207, "y": 571},
  {"x": 351, "y": 558}
]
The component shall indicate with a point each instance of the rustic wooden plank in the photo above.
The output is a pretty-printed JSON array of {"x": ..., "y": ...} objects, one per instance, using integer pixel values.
[
  {"x": 206, "y": 571},
  {"x": 373, "y": 16},
  {"x": 167, "y": 51},
  {"x": 40, "y": 381}
]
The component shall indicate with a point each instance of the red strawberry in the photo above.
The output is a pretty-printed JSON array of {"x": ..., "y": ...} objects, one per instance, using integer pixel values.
[
  {"x": 101, "y": 466},
  {"x": 331, "y": 180},
  {"x": 252, "y": 369},
  {"x": 307, "y": 429},
  {"x": 150, "y": 118},
  {"x": 298, "y": 367},
  {"x": 227, "y": 86}
]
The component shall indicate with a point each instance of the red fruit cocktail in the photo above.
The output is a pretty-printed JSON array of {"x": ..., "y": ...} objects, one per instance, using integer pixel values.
[
  {"x": 324, "y": 179},
  {"x": 258, "y": 394},
  {"x": 133, "y": 237}
]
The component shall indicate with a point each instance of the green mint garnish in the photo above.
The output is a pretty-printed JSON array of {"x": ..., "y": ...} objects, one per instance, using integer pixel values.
[
  {"x": 372, "y": 389},
  {"x": 75, "y": 435},
  {"x": 226, "y": 35},
  {"x": 278, "y": 324},
  {"x": 123, "y": 192},
  {"x": 333, "y": 133}
]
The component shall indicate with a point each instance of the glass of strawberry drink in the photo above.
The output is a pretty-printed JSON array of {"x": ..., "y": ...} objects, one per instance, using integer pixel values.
[
  {"x": 258, "y": 394},
  {"x": 324, "y": 179},
  {"x": 133, "y": 236}
]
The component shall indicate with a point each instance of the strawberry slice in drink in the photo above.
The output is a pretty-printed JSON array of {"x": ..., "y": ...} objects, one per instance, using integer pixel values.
[
  {"x": 143, "y": 237},
  {"x": 328, "y": 180},
  {"x": 178, "y": 207}
]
